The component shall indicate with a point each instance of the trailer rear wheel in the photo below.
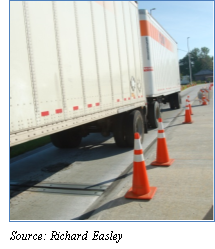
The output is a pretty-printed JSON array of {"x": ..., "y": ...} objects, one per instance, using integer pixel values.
[
  {"x": 153, "y": 114},
  {"x": 119, "y": 130},
  {"x": 66, "y": 139},
  {"x": 171, "y": 104},
  {"x": 175, "y": 101},
  {"x": 134, "y": 123}
]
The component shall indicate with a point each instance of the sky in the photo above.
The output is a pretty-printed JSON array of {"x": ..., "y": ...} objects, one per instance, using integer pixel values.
[{"x": 182, "y": 19}]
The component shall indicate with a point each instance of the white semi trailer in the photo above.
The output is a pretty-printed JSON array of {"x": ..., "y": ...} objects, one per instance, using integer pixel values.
[
  {"x": 161, "y": 68},
  {"x": 76, "y": 68}
]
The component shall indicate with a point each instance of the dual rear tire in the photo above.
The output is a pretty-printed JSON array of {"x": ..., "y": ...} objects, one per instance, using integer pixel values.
[
  {"x": 125, "y": 125},
  {"x": 175, "y": 101},
  {"x": 153, "y": 114}
]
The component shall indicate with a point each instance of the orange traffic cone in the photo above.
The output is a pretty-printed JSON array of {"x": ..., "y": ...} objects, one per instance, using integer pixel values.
[
  {"x": 207, "y": 99},
  {"x": 191, "y": 112},
  {"x": 204, "y": 102},
  {"x": 162, "y": 151},
  {"x": 140, "y": 188},
  {"x": 188, "y": 119}
]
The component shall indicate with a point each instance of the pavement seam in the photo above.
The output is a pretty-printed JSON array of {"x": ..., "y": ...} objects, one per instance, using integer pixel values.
[{"x": 90, "y": 211}]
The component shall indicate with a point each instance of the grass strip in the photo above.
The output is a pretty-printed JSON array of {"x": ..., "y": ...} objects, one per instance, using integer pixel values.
[{"x": 28, "y": 146}]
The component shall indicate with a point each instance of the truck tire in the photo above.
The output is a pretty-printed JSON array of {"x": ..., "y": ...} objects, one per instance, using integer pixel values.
[
  {"x": 175, "y": 101},
  {"x": 153, "y": 114},
  {"x": 171, "y": 104},
  {"x": 119, "y": 130},
  {"x": 145, "y": 125},
  {"x": 66, "y": 139},
  {"x": 134, "y": 123}
]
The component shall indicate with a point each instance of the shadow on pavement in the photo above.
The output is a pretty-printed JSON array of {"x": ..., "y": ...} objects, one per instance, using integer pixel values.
[
  {"x": 166, "y": 110},
  {"x": 173, "y": 125},
  {"x": 195, "y": 106},
  {"x": 111, "y": 204},
  {"x": 114, "y": 203},
  {"x": 209, "y": 215},
  {"x": 39, "y": 166},
  {"x": 148, "y": 167}
]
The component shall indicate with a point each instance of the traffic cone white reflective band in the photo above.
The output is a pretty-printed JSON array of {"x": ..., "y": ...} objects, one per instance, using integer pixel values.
[
  {"x": 161, "y": 134},
  {"x": 138, "y": 150},
  {"x": 187, "y": 107},
  {"x": 137, "y": 144},
  {"x": 160, "y": 126},
  {"x": 139, "y": 158}
]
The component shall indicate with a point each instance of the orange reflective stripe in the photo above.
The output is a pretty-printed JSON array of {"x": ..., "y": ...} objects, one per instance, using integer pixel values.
[
  {"x": 138, "y": 152},
  {"x": 144, "y": 28},
  {"x": 147, "y": 29},
  {"x": 160, "y": 131}
]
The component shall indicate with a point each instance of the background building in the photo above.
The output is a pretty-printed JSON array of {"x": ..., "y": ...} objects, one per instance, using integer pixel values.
[{"x": 204, "y": 75}]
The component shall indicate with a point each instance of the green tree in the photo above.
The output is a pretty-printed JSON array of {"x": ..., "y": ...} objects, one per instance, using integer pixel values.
[
  {"x": 205, "y": 59},
  {"x": 184, "y": 66},
  {"x": 205, "y": 51},
  {"x": 199, "y": 60},
  {"x": 212, "y": 58}
]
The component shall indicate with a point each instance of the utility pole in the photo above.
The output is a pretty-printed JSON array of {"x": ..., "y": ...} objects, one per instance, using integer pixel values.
[{"x": 189, "y": 60}]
